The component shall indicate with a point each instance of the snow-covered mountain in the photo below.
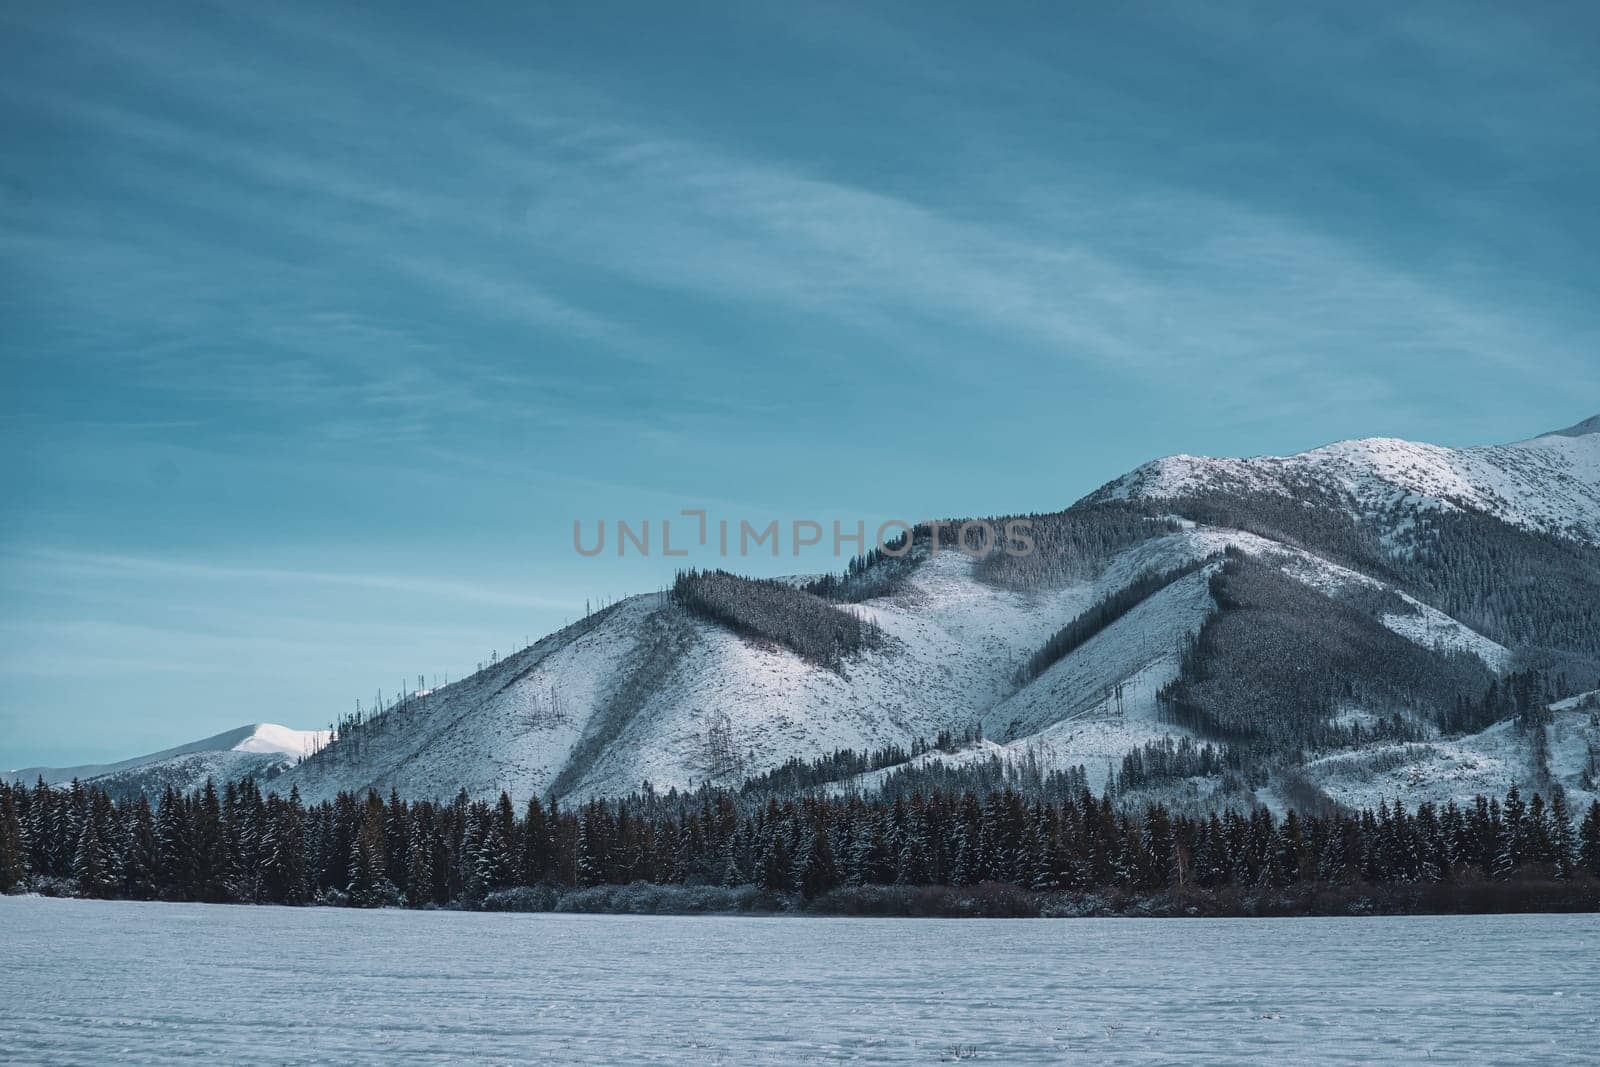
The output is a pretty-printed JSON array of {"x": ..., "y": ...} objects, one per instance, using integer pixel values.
[
  {"x": 1549, "y": 483},
  {"x": 261, "y": 749},
  {"x": 1403, "y": 578}
]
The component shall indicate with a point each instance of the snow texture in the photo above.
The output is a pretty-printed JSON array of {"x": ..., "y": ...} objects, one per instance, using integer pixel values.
[
  {"x": 1549, "y": 483},
  {"x": 1488, "y": 762},
  {"x": 94, "y": 982}
]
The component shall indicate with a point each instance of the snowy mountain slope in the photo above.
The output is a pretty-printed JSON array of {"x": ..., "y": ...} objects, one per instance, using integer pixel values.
[
  {"x": 1137, "y": 653},
  {"x": 1423, "y": 624},
  {"x": 648, "y": 690},
  {"x": 260, "y": 749},
  {"x": 1549, "y": 483},
  {"x": 648, "y": 678},
  {"x": 636, "y": 693},
  {"x": 512, "y": 725},
  {"x": 1488, "y": 762},
  {"x": 1074, "y": 714}
]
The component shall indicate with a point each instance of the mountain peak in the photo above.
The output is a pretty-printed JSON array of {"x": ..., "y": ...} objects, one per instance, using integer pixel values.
[
  {"x": 1550, "y": 483},
  {"x": 1579, "y": 429}
]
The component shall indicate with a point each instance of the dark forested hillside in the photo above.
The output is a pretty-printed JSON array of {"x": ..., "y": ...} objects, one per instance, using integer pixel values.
[
  {"x": 878, "y": 572},
  {"x": 1530, "y": 591},
  {"x": 1070, "y": 545},
  {"x": 1279, "y": 660},
  {"x": 779, "y": 612}
]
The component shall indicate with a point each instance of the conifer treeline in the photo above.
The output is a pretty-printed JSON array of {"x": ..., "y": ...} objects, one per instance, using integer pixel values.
[
  {"x": 813, "y": 628},
  {"x": 244, "y": 846},
  {"x": 1102, "y": 614},
  {"x": 1523, "y": 588}
]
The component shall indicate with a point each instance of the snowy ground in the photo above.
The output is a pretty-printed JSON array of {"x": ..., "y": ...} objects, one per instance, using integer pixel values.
[
  {"x": 88, "y": 982},
  {"x": 1489, "y": 762}
]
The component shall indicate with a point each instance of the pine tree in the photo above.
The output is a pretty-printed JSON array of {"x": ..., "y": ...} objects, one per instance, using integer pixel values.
[
  {"x": 284, "y": 876},
  {"x": 212, "y": 865},
  {"x": 536, "y": 845},
  {"x": 397, "y": 840},
  {"x": 68, "y": 829},
  {"x": 776, "y": 872},
  {"x": 37, "y": 829},
  {"x": 420, "y": 883},
  {"x": 142, "y": 877},
  {"x": 493, "y": 861},
  {"x": 592, "y": 847},
  {"x": 1509, "y": 836},
  {"x": 13, "y": 845},
  {"x": 1159, "y": 848},
  {"x": 969, "y": 846},
  {"x": 92, "y": 866},
  {"x": 176, "y": 849},
  {"x": 1292, "y": 847},
  {"x": 1273, "y": 874},
  {"x": 1538, "y": 847},
  {"x": 820, "y": 873},
  {"x": 911, "y": 866},
  {"x": 1589, "y": 841},
  {"x": 1429, "y": 848},
  {"x": 369, "y": 885},
  {"x": 1563, "y": 843},
  {"x": 729, "y": 870},
  {"x": 1333, "y": 866}
]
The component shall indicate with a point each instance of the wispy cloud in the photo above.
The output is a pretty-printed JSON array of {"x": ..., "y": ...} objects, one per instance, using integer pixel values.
[
  {"x": 92, "y": 564},
  {"x": 543, "y": 173}
]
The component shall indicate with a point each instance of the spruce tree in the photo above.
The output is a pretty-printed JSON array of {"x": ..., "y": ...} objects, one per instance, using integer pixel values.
[
  {"x": 420, "y": 880},
  {"x": 1509, "y": 836},
  {"x": 493, "y": 861},
  {"x": 37, "y": 828},
  {"x": 592, "y": 848},
  {"x": 776, "y": 872},
  {"x": 1563, "y": 843},
  {"x": 212, "y": 862},
  {"x": 821, "y": 874},
  {"x": 92, "y": 866},
  {"x": 397, "y": 840},
  {"x": 142, "y": 870},
  {"x": 176, "y": 849},
  {"x": 1589, "y": 841},
  {"x": 536, "y": 845},
  {"x": 369, "y": 885},
  {"x": 13, "y": 846}
]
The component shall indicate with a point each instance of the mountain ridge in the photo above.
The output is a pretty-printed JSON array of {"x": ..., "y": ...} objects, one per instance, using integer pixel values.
[
  {"x": 261, "y": 749},
  {"x": 1550, "y": 483},
  {"x": 1415, "y": 541}
]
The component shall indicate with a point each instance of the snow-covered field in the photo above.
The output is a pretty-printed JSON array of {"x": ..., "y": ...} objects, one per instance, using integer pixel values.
[{"x": 89, "y": 982}]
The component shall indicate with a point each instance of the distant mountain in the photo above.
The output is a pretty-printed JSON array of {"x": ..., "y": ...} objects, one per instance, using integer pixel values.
[
  {"x": 263, "y": 750},
  {"x": 1371, "y": 618},
  {"x": 1550, "y": 483},
  {"x": 1581, "y": 429}
]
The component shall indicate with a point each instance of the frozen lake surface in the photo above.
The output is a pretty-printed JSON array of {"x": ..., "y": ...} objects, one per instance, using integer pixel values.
[{"x": 88, "y": 982}]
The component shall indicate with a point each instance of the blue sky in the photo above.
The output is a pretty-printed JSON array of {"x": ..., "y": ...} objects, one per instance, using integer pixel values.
[{"x": 319, "y": 326}]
